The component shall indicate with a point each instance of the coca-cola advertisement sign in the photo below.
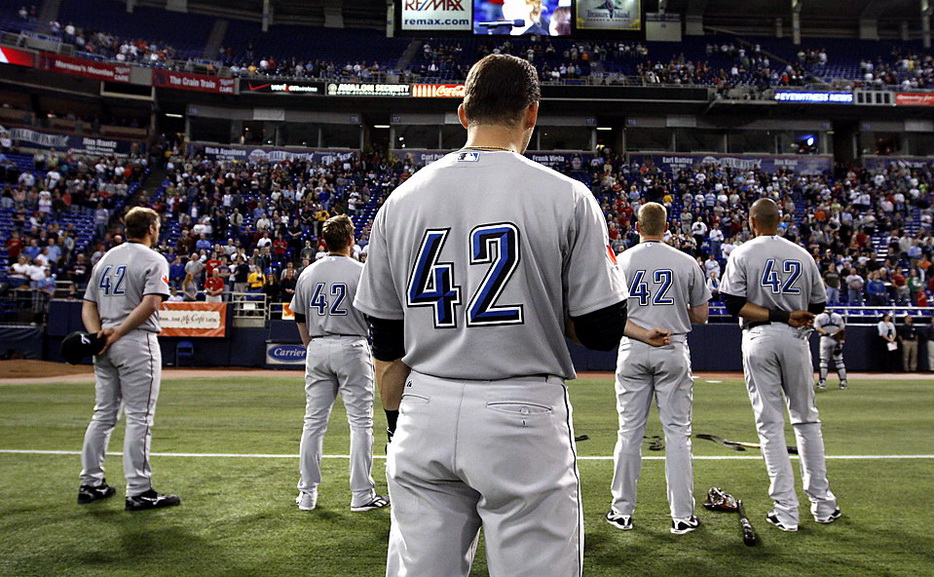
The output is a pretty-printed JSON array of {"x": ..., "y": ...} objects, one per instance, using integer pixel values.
[{"x": 437, "y": 90}]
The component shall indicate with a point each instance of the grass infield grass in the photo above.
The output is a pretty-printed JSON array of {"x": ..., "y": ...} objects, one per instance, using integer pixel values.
[{"x": 238, "y": 517}]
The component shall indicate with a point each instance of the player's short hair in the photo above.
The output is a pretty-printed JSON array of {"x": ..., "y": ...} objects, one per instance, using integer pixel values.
[
  {"x": 652, "y": 218},
  {"x": 498, "y": 90},
  {"x": 766, "y": 213},
  {"x": 337, "y": 232},
  {"x": 138, "y": 221}
]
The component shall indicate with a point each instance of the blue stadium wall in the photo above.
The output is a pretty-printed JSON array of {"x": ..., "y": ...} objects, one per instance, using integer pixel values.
[{"x": 714, "y": 347}]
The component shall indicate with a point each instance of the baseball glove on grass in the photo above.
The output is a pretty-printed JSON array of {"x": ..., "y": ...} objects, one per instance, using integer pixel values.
[{"x": 719, "y": 500}]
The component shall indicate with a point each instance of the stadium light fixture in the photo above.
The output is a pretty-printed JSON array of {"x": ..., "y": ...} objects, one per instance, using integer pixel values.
[
  {"x": 380, "y": 126},
  {"x": 604, "y": 128},
  {"x": 173, "y": 115}
]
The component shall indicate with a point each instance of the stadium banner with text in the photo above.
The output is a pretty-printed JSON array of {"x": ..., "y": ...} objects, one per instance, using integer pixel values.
[
  {"x": 558, "y": 160},
  {"x": 610, "y": 15},
  {"x": 254, "y": 154},
  {"x": 86, "y": 68},
  {"x": 285, "y": 355},
  {"x": 73, "y": 143},
  {"x": 889, "y": 162},
  {"x": 17, "y": 57},
  {"x": 193, "y": 319},
  {"x": 437, "y": 90},
  {"x": 435, "y": 15},
  {"x": 367, "y": 89},
  {"x": 914, "y": 99},
  {"x": 290, "y": 87},
  {"x": 768, "y": 164},
  {"x": 814, "y": 97},
  {"x": 196, "y": 82}
]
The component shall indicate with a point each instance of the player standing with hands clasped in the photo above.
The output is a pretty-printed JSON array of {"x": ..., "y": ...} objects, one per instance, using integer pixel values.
[
  {"x": 666, "y": 289},
  {"x": 338, "y": 360},
  {"x": 831, "y": 327},
  {"x": 478, "y": 265},
  {"x": 775, "y": 287},
  {"x": 121, "y": 304}
]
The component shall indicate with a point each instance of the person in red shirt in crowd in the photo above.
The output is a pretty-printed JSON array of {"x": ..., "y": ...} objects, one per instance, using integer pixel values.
[
  {"x": 214, "y": 287},
  {"x": 211, "y": 264},
  {"x": 280, "y": 246},
  {"x": 901, "y": 286},
  {"x": 14, "y": 246}
]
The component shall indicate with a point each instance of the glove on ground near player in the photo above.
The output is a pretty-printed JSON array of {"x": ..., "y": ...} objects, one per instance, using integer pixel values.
[
  {"x": 79, "y": 344},
  {"x": 719, "y": 500}
]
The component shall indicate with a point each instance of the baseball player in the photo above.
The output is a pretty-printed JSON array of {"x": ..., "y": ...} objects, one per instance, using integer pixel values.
[
  {"x": 478, "y": 265},
  {"x": 667, "y": 289},
  {"x": 831, "y": 327},
  {"x": 775, "y": 287},
  {"x": 338, "y": 360},
  {"x": 121, "y": 304}
]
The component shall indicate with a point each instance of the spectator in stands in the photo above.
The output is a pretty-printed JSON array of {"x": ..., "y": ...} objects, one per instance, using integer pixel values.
[
  {"x": 194, "y": 267},
  {"x": 214, "y": 287},
  {"x": 21, "y": 273},
  {"x": 176, "y": 272},
  {"x": 915, "y": 286},
  {"x": 241, "y": 275},
  {"x": 908, "y": 341},
  {"x": 713, "y": 285},
  {"x": 78, "y": 273},
  {"x": 287, "y": 281},
  {"x": 876, "y": 290},
  {"x": 711, "y": 266},
  {"x": 889, "y": 337},
  {"x": 271, "y": 287},
  {"x": 900, "y": 285},
  {"x": 190, "y": 288},
  {"x": 175, "y": 296},
  {"x": 832, "y": 284},
  {"x": 255, "y": 280},
  {"x": 854, "y": 285},
  {"x": 14, "y": 246}
]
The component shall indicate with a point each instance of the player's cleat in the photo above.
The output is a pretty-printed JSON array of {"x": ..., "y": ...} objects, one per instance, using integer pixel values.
[
  {"x": 772, "y": 518},
  {"x": 89, "y": 494},
  {"x": 151, "y": 500},
  {"x": 682, "y": 526},
  {"x": 843, "y": 385},
  {"x": 621, "y": 522},
  {"x": 831, "y": 518},
  {"x": 307, "y": 501},
  {"x": 378, "y": 502},
  {"x": 822, "y": 384}
]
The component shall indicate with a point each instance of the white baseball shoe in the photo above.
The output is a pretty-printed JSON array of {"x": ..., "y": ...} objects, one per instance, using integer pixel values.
[{"x": 307, "y": 501}]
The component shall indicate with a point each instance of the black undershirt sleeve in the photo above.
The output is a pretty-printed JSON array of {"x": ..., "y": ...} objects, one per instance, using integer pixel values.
[
  {"x": 734, "y": 304},
  {"x": 300, "y": 318},
  {"x": 816, "y": 308},
  {"x": 388, "y": 338},
  {"x": 601, "y": 330}
]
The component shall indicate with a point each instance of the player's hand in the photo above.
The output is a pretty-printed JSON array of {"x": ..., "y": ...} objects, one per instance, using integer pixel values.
[
  {"x": 800, "y": 319},
  {"x": 111, "y": 335},
  {"x": 658, "y": 337}
]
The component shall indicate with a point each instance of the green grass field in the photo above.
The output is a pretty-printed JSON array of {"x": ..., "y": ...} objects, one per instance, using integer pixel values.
[{"x": 238, "y": 517}]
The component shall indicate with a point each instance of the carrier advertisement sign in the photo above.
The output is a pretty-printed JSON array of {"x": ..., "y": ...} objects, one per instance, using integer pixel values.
[
  {"x": 16, "y": 57},
  {"x": 193, "y": 319},
  {"x": 196, "y": 82},
  {"x": 615, "y": 15},
  {"x": 284, "y": 355},
  {"x": 768, "y": 164},
  {"x": 436, "y": 15},
  {"x": 86, "y": 68}
]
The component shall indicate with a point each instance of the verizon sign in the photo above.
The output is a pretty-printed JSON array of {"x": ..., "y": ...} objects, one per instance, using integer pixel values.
[
  {"x": 436, "y": 15},
  {"x": 437, "y": 90}
]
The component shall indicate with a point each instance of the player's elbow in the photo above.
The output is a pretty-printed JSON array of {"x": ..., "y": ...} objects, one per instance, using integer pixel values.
[{"x": 601, "y": 330}]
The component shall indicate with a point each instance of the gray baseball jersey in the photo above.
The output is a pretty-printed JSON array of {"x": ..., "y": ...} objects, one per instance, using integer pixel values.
[
  {"x": 830, "y": 348},
  {"x": 481, "y": 240},
  {"x": 830, "y": 322},
  {"x": 663, "y": 283},
  {"x": 120, "y": 280},
  {"x": 325, "y": 292},
  {"x": 774, "y": 273},
  {"x": 338, "y": 361}
]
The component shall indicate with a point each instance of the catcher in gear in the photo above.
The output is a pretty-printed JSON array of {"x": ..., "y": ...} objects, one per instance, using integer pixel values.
[{"x": 831, "y": 328}]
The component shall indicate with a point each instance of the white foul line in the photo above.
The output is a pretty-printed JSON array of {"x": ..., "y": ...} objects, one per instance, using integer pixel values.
[{"x": 579, "y": 458}]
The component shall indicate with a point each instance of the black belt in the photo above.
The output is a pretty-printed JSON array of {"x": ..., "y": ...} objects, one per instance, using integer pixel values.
[
  {"x": 336, "y": 335},
  {"x": 755, "y": 324}
]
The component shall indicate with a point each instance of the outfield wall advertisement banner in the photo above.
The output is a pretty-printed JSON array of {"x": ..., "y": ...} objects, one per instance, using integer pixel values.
[
  {"x": 16, "y": 57},
  {"x": 768, "y": 164},
  {"x": 196, "y": 82},
  {"x": 436, "y": 15},
  {"x": 914, "y": 99},
  {"x": 72, "y": 143},
  {"x": 299, "y": 88},
  {"x": 285, "y": 355},
  {"x": 193, "y": 319},
  {"x": 86, "y": 68},
  {"x": 253, "y": 154}
]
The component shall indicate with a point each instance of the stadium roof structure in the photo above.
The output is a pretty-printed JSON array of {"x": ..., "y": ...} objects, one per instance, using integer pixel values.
[{"x": 868, "y": 19}]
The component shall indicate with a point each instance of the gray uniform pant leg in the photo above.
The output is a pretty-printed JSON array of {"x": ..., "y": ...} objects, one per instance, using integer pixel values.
[
  {"x": 674, "y": 392},
  {"x": 498, "y": 454},
  {"x": 131, "y": 371},
  {"x": 634, "y": 392}
]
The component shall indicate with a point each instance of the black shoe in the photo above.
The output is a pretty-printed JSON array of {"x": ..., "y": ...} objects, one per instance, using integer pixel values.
[
  {"x": 89, "y": 494},
  {"x": 151, "y": 500}
]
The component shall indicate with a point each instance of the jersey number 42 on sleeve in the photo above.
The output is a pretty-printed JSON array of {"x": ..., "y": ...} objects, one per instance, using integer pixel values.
[{"x": 432, "y": 283}]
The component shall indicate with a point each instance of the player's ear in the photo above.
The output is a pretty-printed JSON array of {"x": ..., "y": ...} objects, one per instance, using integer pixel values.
[
  {"x": 531, "y": 116},
  {"x": 462, "y": 115}
]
